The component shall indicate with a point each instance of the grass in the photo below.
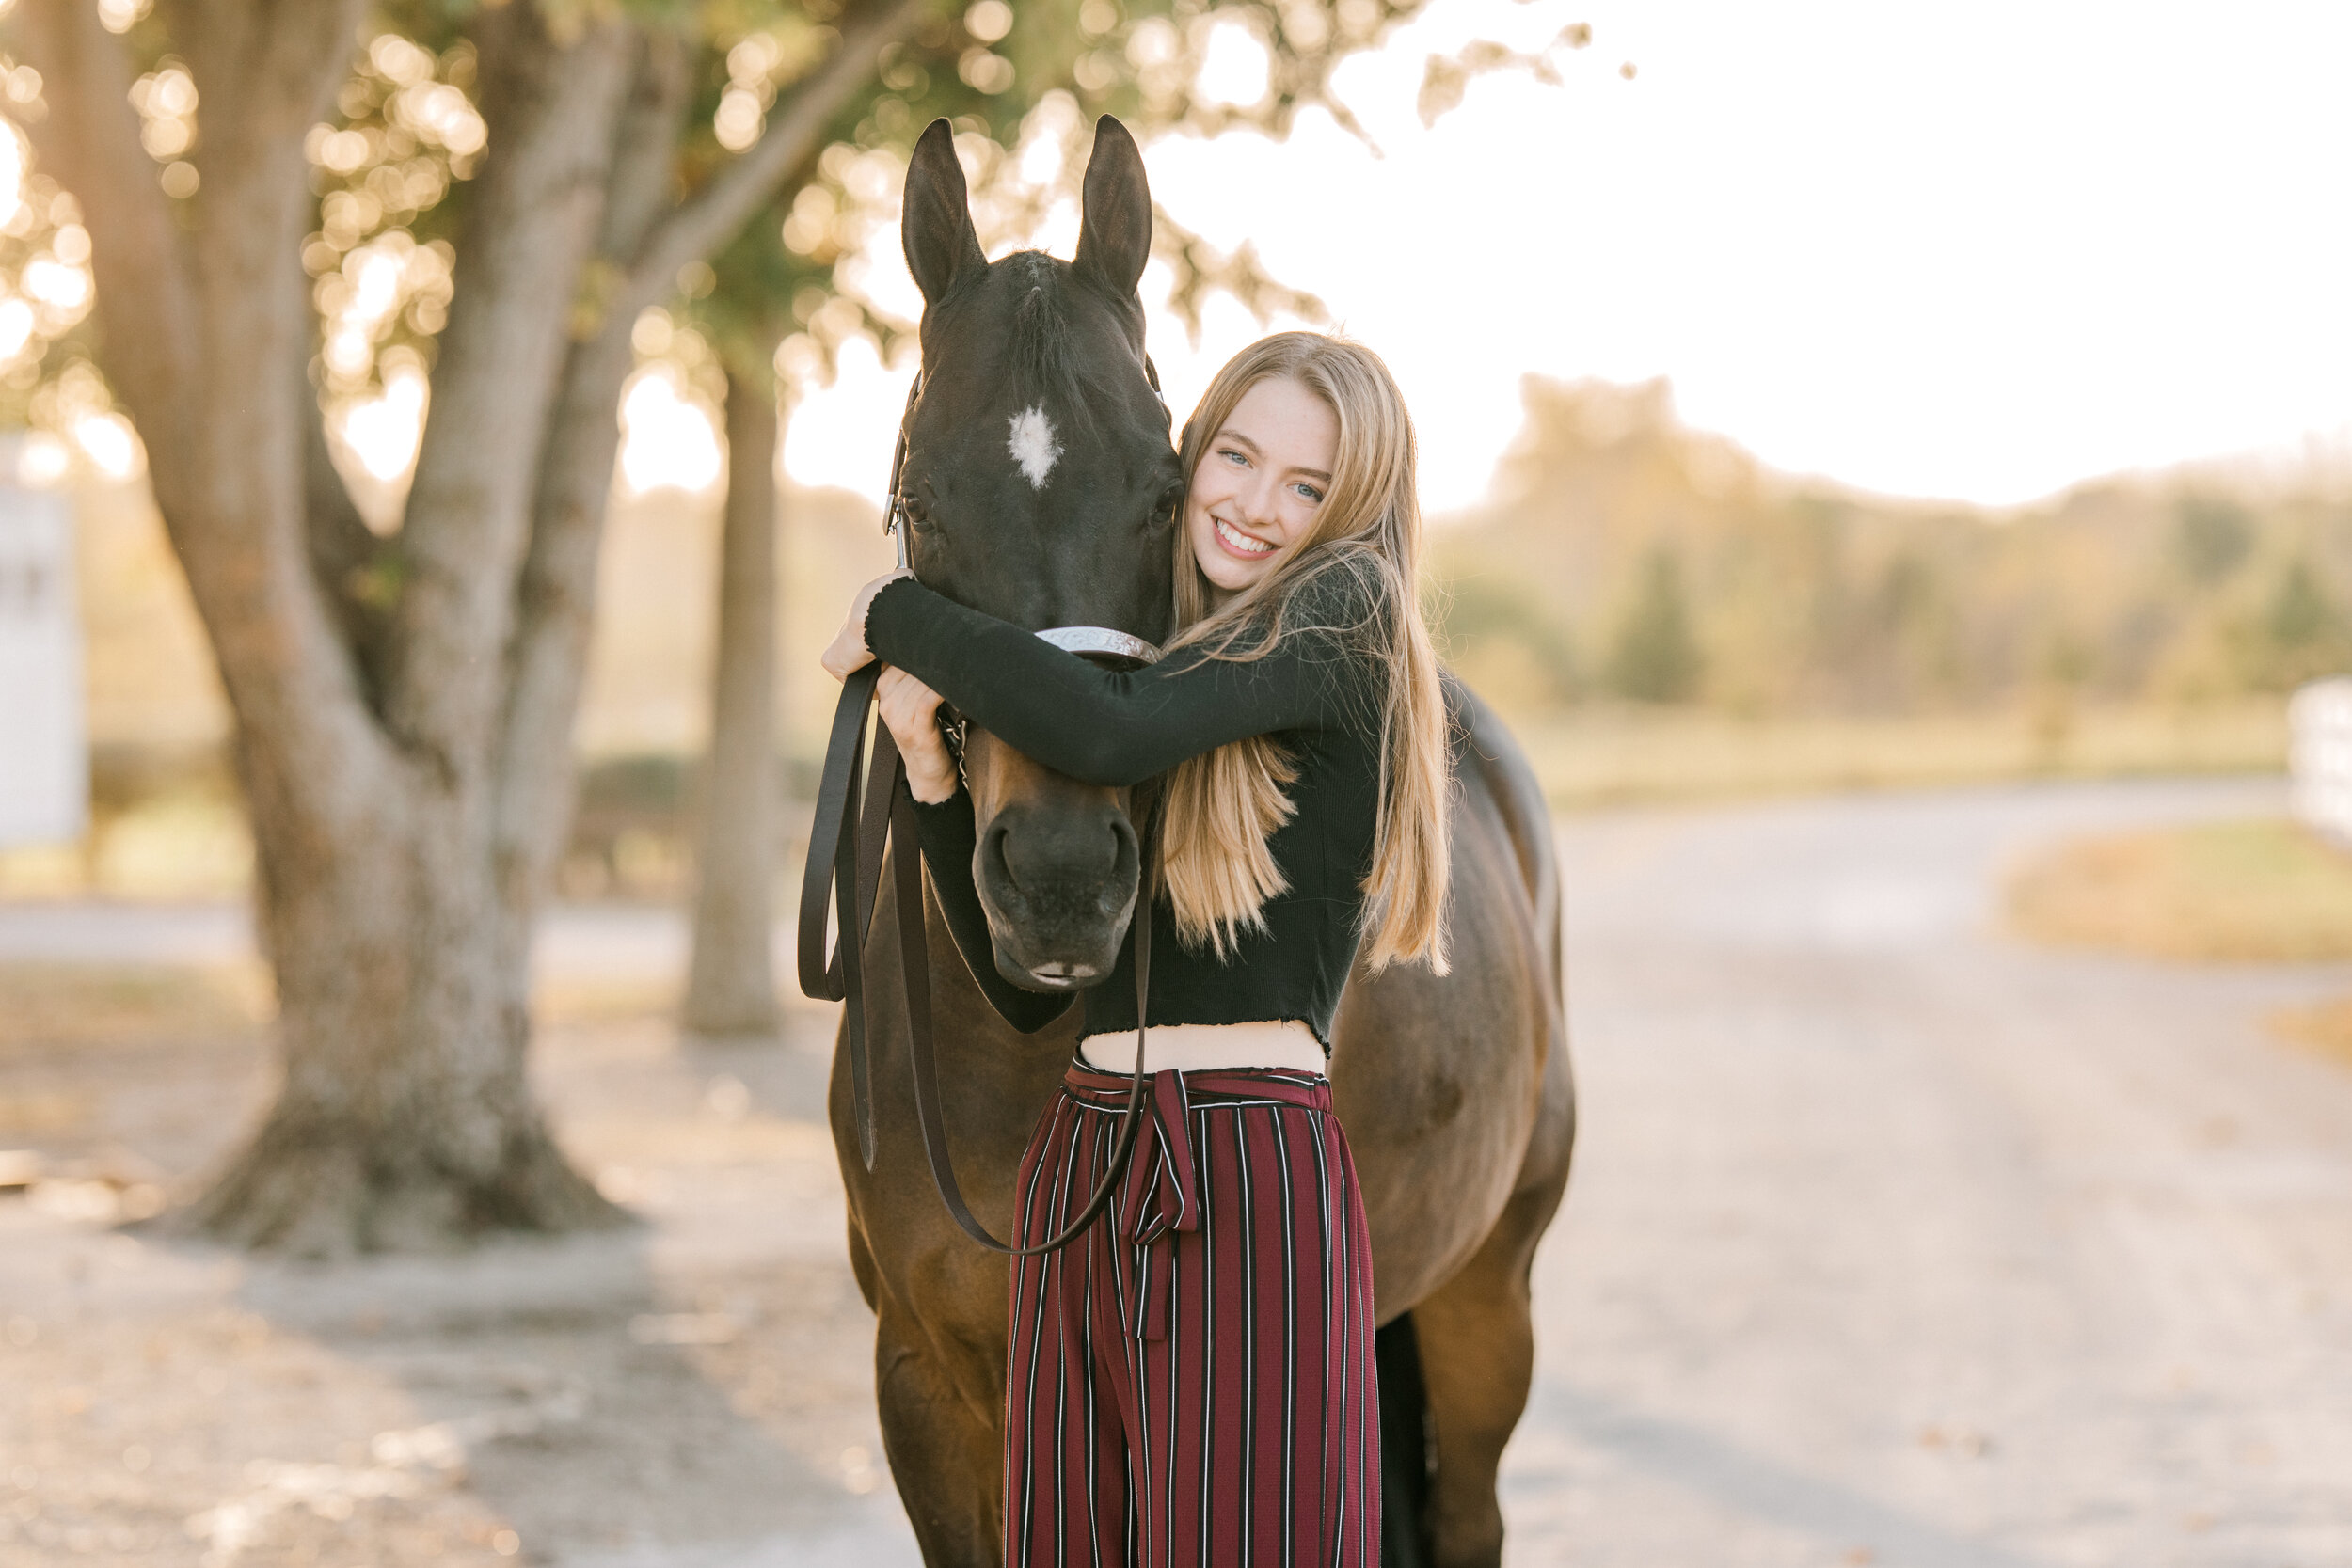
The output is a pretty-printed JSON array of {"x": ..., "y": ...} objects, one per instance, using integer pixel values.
[
  {"x": 67, "y": 1006},
  {"x": 1601, "y": 756},
  {"x": 178, "y": 846},
  {"x": 2325, "y": 1029},
  {"x": 2262, "y": 891},
  {"x": 2254, "y": 891}
]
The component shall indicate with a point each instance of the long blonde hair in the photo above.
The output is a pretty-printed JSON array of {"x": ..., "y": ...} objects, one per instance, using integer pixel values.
[{"x": 1220, "y": 807}]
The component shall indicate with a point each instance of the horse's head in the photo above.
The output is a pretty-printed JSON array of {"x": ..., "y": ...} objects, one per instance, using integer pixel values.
[{"x": 1040, "y": 485}]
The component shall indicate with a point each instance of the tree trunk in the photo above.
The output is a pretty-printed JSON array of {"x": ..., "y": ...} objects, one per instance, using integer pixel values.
[
  {"x": 406, "y": 1119},
  {"x": 407, "y": 770},
  {"x": 731, "y": 985}
]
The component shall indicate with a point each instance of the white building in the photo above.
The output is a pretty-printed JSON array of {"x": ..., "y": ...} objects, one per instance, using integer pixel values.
[{"x": 44, "y": 750}]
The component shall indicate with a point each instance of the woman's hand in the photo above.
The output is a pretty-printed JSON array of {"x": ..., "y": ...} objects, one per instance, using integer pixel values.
[
  {"x": 911, "y": 711},
  {"x": 848, "y": 650}
]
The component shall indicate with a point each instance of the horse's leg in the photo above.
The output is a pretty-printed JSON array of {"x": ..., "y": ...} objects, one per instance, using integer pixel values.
[
  {"x": 947, "y": 1458},
  {"x": 1477, "y": 1342}
]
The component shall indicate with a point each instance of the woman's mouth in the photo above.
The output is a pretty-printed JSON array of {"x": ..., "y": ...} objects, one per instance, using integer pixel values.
[{"x": 1240, "y": 544}]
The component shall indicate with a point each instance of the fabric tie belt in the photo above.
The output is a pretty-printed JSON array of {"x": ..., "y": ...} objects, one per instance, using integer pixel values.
[{"x": 1163, "y": 1196}]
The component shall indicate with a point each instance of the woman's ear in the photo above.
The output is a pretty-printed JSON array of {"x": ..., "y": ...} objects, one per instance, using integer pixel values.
[
  {"x": 1114, "y": 239},
  {"x": 936, "y": 224}
]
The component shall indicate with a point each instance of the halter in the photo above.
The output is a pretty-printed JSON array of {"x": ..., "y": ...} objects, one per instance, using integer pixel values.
[{"x": 859, "y": 810}]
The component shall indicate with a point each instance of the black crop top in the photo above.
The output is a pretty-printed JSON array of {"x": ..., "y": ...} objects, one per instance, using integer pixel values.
[{"x": 1118, "y": 728}]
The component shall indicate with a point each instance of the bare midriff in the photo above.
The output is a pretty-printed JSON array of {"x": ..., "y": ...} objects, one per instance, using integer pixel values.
[{"x": 1208, "y": 1048}]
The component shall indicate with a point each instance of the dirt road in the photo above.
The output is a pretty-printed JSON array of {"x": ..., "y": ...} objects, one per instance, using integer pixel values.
[{"x": 1890, "y": 1243}]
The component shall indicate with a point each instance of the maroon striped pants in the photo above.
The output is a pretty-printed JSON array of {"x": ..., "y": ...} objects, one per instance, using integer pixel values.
[{"x": 1191, "y": 1381}]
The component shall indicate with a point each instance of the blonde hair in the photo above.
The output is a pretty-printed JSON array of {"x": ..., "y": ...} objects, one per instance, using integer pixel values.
[{"x": 1220, "y": 807}]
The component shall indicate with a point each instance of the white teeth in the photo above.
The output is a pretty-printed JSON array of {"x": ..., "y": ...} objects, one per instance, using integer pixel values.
[{"x": 1241, "y": 541}]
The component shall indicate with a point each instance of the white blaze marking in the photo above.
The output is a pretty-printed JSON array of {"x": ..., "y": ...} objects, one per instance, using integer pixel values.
[{"x": 1032, "y": 445}]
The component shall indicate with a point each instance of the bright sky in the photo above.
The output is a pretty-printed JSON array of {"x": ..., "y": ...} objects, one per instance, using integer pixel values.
[{"x": 1976, "y": 252}]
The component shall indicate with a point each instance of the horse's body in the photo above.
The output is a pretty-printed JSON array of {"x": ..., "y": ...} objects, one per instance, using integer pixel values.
[{"x": 1454, "y": 1091}]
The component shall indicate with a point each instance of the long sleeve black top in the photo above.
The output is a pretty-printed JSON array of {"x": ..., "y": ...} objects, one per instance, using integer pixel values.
[{"x": 1312, "y": 693}]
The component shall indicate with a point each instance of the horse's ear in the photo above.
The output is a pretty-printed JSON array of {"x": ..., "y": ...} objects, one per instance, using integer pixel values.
[
  {"x": 936, "y": 224},
  {"x": 1114, "y": 239}
]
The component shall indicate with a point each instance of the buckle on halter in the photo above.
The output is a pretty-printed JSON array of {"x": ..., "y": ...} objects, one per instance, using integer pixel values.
[{"x": 1101, "y": 642}]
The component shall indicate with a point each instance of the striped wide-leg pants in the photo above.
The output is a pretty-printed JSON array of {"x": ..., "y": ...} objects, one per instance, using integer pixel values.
[{"x": 1191, "y": 1382}]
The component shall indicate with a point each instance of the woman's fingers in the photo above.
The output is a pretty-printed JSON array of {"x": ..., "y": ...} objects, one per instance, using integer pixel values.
[
  {"x": 847, "y": 650},
  {"x": 910, "y": 709},
  {"x": 902, "y": 693},
  {"x": 843, "y": 658}
]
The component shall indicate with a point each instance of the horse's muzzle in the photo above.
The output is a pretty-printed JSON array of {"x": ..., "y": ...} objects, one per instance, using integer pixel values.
[{"x": 1058, "y": 887}]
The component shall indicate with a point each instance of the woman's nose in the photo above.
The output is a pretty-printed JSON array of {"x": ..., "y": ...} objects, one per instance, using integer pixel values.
[{"x": 1258, "y": 501}]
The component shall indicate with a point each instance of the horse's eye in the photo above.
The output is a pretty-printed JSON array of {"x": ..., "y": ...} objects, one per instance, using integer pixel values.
[
  {"x": 919, "y": 517},
  {"x": 1170, "y": 499}
]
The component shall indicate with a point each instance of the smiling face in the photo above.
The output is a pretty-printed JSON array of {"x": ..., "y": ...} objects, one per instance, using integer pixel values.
[{"x": 1260, "y": 480}]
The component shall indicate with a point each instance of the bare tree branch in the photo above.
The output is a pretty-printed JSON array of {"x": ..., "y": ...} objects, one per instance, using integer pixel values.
[
  {"x": 531, "y": 217},
  {"x": 646, "y": 147},
  {"x": 555, "y": 597},
  {"x": 710, "y": 217}
]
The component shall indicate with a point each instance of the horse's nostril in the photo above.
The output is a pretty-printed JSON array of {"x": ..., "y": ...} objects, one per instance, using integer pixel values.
[{"x": 996, "y": 866}]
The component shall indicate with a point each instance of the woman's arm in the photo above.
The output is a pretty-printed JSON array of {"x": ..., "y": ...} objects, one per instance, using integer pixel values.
[
  {"x": 1106, "y": 726},
  {"x": 949, "y": 838}
]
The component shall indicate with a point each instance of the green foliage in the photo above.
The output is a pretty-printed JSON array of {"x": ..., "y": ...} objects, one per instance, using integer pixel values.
[
  {"x": 2211, "y": 537},
  {"x": 389, "y": 179},
  {"x": 390, "y": 165},
  {"x": 1486, "y": 611},
  {"x": 1656, "y": 655},
  {"x": 2296, "y": 633},
  {"x": 387, "y": 172}
]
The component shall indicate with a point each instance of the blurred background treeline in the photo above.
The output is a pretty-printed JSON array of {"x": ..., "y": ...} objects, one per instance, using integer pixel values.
[
  {"x": 1660, "y": 615},
  {"x": 1668, "y": 617},
  {"x": 1625, "y": 557}
]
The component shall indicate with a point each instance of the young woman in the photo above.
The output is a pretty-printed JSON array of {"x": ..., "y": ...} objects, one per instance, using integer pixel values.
[{"x": 1192, "y": 1379}]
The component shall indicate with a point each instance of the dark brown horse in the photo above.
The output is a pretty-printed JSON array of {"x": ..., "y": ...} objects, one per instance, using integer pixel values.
[{"x": 1454, "y": 1092}]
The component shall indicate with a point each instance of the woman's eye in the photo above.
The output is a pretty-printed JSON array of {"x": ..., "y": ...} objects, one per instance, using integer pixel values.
[
  {"x": 1234, "y": 455},
  {"x": 1309, "y": 491}
]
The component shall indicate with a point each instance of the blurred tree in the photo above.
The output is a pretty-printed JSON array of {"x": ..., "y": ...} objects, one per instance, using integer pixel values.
[
  {"x": 2064, "y": 665},
  {"x": 1805, "y": 597},
  {"x": 1504, "y": 639},
  {"x": 730, "y": 982},
  {"x": 488, "y": 203},
  {"x": 2299, "y": 633},
  {"x": 1656, "y": 657},
  {"x": 2211, "y": 536}
]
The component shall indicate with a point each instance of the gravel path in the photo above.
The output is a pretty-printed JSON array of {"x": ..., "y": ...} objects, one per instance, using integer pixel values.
[{"x": 1890, "y": 1243}]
